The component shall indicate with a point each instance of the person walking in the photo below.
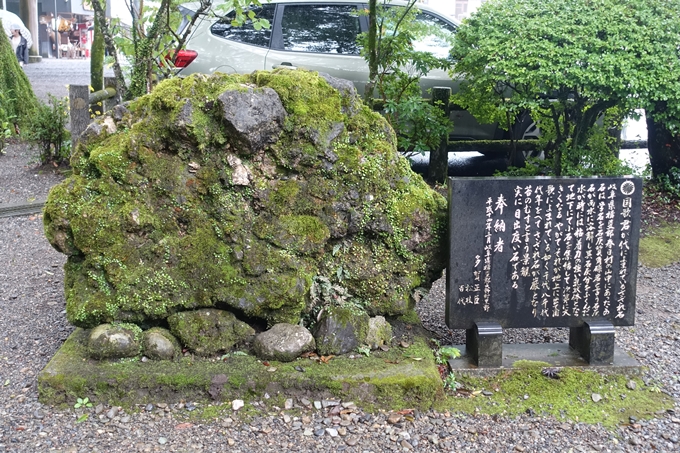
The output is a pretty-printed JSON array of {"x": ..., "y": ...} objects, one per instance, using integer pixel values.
[{"x": 19, "y": 44}]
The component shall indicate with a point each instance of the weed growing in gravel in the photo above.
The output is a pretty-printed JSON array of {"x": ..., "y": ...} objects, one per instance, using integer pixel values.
[{"x": 82, "y": 402}]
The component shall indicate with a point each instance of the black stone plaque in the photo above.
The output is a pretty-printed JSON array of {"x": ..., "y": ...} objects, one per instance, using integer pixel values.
[{"x": 542, "y": 252}]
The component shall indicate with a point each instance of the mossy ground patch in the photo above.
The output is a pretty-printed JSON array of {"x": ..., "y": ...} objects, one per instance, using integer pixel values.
[
  {"x": 661, "y": 247},
  {"x": 525, "y": 389}
]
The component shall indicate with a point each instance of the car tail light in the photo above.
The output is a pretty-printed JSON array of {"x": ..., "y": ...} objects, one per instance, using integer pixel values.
[{"x": 184, "y": 57}]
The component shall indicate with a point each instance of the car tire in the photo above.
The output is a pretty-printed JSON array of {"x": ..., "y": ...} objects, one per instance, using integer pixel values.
[{"x": 525, "y": 128}]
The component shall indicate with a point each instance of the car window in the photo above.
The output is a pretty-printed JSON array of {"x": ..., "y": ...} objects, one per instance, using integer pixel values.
[
  {"x": 246, "y": 33},
  {"x": 321, "y": 28},
  {"x": 438, "y": 36}
]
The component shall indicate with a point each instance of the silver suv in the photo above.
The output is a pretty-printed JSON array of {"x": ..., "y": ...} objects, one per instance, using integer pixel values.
[{"x": 319, "y": 35}]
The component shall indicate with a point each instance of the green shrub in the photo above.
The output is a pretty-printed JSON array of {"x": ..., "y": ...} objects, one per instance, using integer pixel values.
[
  {"x": 670, "y": 183},
  {"x": 49, "y": 132}
]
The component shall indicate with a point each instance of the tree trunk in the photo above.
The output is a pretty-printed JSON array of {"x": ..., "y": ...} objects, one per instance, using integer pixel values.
[
  {"x": 664, "y": 147},
  {"x": 100, "y": 12},
  {"x": 372, "y": 50},
  {"x": 140, "y": 82},
  {"x": 97, "y": 63}
]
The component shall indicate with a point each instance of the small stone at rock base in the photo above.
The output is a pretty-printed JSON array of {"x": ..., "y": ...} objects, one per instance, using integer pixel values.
[
  {"x": 631, "y": 385},
  {"x": 112, "y": 412},
  {"x": 283, "y": 342},
  {"x": 342, "y": 431},
  {"x": 596, "y": 397},
  {"x": 332, "y": 432},
  {"x": 237, "y": 404},
  {"x": 162, "y": 440},
  {"x": 319, "y": 432},
  {"x": 519, "y": 448},
  {"x": 317, "y": 405},
  {"x": 308, "y": 432},
  {"x": 379, "y": 332},
  {"x": 231, "y": 442},
  {"x": 288, "y": 404}
]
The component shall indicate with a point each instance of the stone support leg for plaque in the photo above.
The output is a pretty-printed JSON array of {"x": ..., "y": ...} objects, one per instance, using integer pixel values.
[
  {"x": 484, "y": 344},
  {"x": 595, "y": 341}
]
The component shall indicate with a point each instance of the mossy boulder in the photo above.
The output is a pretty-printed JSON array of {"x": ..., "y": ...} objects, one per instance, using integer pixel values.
[
  {"x": 235, "y": 191},
  {"x": 208, "y": 331}
]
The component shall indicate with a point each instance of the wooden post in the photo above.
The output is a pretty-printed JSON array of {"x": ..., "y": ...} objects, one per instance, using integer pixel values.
[
  {"x": 79, "y": 104},
  {"x": 439, "y": 158}
]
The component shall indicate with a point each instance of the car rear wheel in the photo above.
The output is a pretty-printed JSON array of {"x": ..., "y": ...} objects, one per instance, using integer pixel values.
[{"x": 525, "y": 128}]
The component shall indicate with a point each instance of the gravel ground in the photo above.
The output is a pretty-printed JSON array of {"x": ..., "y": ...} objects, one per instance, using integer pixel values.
[{"x": 33, "y": 326}]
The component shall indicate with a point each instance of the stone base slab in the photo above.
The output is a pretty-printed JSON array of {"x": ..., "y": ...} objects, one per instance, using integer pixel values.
[
  {"x": 556, "y": 354},
  {"x": 400, "y": 377}
]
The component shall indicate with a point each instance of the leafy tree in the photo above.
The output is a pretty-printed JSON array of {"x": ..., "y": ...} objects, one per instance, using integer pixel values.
[
  {"x": 661, "y": 92},
  {"x": 567, "y": 62},
  {"x": 395, "y": 70},
  {"x": 152, "y": 39}
]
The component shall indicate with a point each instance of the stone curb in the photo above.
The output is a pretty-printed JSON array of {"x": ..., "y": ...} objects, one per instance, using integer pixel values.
[{"x": 19, "y": 209}]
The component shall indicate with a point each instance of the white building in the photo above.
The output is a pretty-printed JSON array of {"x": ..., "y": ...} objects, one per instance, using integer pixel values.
[{"x": 459, "y": 9}]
